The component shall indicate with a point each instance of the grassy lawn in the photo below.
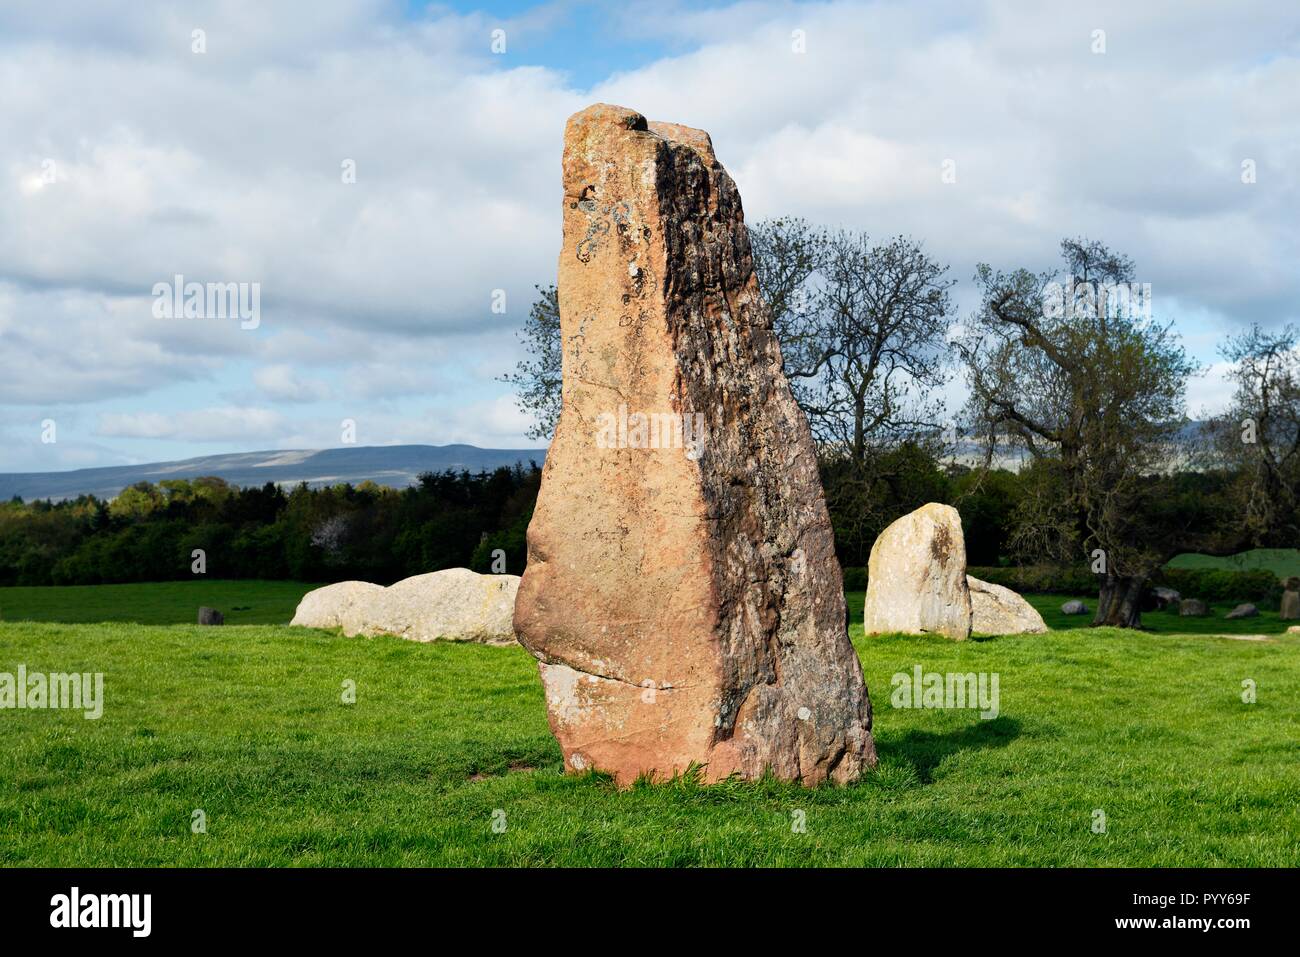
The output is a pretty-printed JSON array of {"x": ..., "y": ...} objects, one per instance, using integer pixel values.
[
  {"x": 1167, "y": 622},
  {"x": 157, "y": 603},
  {"x": 1283, "y": 562},
  {"x": 248, "y": 602},
  {"x": 246, "y": 723}
]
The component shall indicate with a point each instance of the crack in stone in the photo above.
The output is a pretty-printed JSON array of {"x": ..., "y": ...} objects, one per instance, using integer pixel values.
[{"x": 623, "y": 681}]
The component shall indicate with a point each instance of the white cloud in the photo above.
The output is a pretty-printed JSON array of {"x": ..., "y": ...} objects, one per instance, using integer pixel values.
[
  {"x": 1210, "y": 392},
  {"x": 65, "y": 346},
  {"x": 236, "y": 424},
  {"x": 226, "y": 172},
  {"x": 282, "y": 383},
  {"x": 495, "y": 423},
  {"x": 126, "y": 158},
  {"x": 1140, "y": 146}
]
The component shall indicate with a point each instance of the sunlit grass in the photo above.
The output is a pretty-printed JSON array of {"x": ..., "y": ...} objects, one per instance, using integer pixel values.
[{"x": 247, "y": 724}]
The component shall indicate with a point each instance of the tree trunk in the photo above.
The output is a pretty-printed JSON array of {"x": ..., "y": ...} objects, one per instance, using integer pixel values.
[
  {"x": 859, "y": 431},
  {"x": 1119, "y": 603}
]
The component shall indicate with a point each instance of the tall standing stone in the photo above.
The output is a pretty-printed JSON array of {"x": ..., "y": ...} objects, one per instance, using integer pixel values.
[
  {"x": 1290, "y": 609},
  {"x": 682, "y": 594}
]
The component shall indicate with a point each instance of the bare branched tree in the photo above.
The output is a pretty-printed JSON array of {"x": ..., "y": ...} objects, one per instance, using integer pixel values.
[
  {"x": 862, "y": 328},
  {"x": 1258, "y": 436},
  {"x": 863, "y": 331}
]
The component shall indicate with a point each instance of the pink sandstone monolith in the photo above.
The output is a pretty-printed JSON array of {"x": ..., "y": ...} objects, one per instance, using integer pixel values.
[{"x": 682, "y": 594}]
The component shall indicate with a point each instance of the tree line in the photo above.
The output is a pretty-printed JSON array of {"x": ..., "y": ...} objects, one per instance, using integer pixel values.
[
  {"x": 1074, "y": 448},
  {"x": 177, "y": 529},
  {"x": 1067, "y": 372}
]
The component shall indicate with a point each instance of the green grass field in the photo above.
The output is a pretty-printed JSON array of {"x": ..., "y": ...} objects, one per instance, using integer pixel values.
[
  {"x": 156, "y": 603},
  {"x": 273, "y": 603},
  {"x": 247, "y": 724},
  {"x": 1283, "y": 562},
  {"x": 1167, "y": 622}
]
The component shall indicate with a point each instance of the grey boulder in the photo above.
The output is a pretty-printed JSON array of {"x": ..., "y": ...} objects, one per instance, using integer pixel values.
[
  {"x": 996, "y": 610},
  {"x": 210, "y": 616},
  {"x": 1165, "y": 597}
]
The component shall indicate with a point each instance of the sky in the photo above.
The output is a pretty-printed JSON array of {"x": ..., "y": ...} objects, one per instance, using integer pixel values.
[{"x": 384, "y": 172}]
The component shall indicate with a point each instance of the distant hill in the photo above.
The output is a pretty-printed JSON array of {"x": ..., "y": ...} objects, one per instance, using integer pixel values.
[{"x": 393, "y": 465}]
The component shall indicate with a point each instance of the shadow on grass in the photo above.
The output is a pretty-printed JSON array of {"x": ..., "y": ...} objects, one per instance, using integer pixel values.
[{"x": 924, "y": 750}]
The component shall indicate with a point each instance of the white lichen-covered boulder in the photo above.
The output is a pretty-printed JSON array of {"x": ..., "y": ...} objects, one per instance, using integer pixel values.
[
  {"x": 342, "y": 605},
  {"x": 451, "y": 605},
  {"x": 916, "y": 578},
  {"x": 996, "y": 610}
]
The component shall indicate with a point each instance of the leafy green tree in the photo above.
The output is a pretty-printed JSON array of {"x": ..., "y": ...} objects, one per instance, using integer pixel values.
[
  {"x": 137, "y": 501},
  {"x": 1063, "y": 366},
  {"x": 538, "y": 378},
  {"x": 863, "y": 501},
  {"x": 987, "y": 499}
]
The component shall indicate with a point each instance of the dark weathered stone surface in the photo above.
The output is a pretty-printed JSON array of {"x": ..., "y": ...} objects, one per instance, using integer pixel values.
[
  {"x": 1165, "y": 597},
  {"x": 684, "y": 602},
  {"x": 1074, "y": 607},
  {"x": 210, "y": 616},
  {"x": 1193, "y": 608}
]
